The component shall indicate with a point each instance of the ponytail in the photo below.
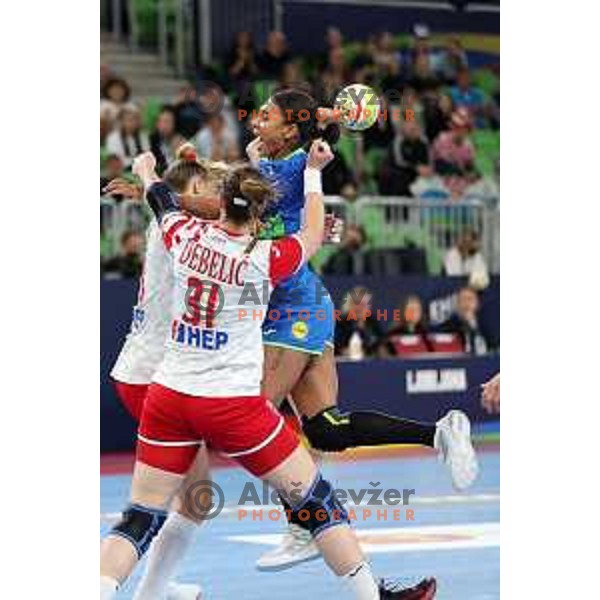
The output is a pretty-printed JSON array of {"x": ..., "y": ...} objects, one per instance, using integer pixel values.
[
  {"x": 246, "y": 194},
  {"x": 186, "y": 167}
]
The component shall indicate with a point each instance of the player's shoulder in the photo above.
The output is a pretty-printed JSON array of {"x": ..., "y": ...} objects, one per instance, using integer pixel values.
[{"x": 293, "y": 160}]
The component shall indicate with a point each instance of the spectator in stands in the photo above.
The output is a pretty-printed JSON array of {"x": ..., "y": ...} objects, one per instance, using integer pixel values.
[
  {"x": 335, "y": 76},
  {"x": 343, "y": 262},
  {"x": 189, "y": 114},
  {"x": 438, "y": 115},
  {"x": 412, "y": 323},
  {"x": 464, "y": 322},
  {"x": 420, "y": 47},
  {"x": 465, "y": 95},
  {"x": 410, "y": 101},
  {"x": 454, "y": 60},
  {"x": 412, "y": 317},
  {"x": 357, "y": 332},
  {"x": 216, "y": 142},
  {"x": 333, "y": 40},
  {"x": 106, "y": 126},
  {"x": 466, "y": 259},
  {"x": 128, "y": 263},
  {"x": 213, "y": 101},
  {"x": 275, "y": 55},
  {"x": 292, "y": 76},
  {"x": 116, "y": 91},
  {"x": 408, "y": 158},
  {"x": 381, "y": 134},
  {"x": 338, "y": 178},
  {"x": 453, "y": 154},
  {"x": 423, "y": 79},
  {"x": 386, "y": 58},
  {"x": 165, "y": 140},
  {"x": 113, "y": 169},
  {"x": 241, "y": 63},
  {"x": 128, "y": 140},
  {"x": 363, "y": 63}
]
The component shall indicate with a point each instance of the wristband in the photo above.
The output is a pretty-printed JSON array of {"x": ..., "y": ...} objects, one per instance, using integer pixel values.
[{"x": 312, "y": 181}]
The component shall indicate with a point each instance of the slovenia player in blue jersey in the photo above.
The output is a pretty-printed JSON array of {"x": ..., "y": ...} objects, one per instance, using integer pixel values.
[{"x": 299, "y": 327}]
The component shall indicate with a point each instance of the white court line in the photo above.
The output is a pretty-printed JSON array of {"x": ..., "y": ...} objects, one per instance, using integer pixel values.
[
  {"x": 458, "y": 499},
  {"x": 411, "y": 539}
]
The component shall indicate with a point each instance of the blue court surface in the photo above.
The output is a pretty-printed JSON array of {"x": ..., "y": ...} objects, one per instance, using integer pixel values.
[{"x": 454, "y": 537}]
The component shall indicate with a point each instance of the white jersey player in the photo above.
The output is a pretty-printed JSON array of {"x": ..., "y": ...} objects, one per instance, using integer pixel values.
[
  {"x": 143, "y": 351},
  {"x": 244, "y": 424}
]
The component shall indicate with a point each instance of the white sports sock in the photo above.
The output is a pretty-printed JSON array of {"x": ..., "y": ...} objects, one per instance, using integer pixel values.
[
  {"x": 108, "y": 587},
  {"x": 362, "y": 583},
  {"x": 166, "y": 552}
]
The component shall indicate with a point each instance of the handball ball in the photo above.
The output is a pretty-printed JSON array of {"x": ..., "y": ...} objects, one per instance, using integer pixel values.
[{"x": 357, "y": 107}]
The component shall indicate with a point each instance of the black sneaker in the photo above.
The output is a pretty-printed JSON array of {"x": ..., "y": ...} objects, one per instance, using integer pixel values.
[{"x": 425, "y": 590}]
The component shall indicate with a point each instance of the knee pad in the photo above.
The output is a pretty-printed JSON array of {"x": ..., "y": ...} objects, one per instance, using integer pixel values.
[
  {"x": 329, "y": 431},
  {"x": 320, "y": 509},
  {"x": 139, "y": 525}
]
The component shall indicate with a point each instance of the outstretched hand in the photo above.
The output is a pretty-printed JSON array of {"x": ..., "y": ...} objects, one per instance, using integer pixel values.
[
  {"x": 144, "y": 167},
  {"x": 125, "y": 188}
]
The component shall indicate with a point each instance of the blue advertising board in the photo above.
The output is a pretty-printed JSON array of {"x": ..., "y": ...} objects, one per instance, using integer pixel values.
[{"x": 421, "y": 388}]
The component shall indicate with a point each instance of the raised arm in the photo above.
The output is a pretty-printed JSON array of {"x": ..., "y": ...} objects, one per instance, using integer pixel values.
[
  {"x": 160, "y": 197},
  {"x": 311, "y": 234}
]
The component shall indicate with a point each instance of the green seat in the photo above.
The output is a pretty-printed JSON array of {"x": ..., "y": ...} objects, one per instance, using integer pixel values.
[
  {"x": 372, "y": 163},
  {"x": 151, "y": 111},
  {"x": 103, "y": 157},
  {"x": 382, "y": 235},
  {"x": 486, "y": 80},
  {"x": 347, "y": 146},
  {"x": 487, "y": 151},
  {"x": 262, "y": 90}
]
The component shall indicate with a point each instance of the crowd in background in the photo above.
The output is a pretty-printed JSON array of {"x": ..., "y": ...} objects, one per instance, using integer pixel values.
[
  {"x": 363, "y": 330},
  {"x": 399, "y": 156},
  {"x": 438, "y": 149}
]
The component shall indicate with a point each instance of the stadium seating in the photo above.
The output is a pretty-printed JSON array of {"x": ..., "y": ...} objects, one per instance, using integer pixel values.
[{"x": 409, "y": 345}]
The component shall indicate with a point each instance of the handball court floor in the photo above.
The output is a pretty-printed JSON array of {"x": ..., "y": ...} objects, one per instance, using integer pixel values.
[{"x": 455, "y": 537}]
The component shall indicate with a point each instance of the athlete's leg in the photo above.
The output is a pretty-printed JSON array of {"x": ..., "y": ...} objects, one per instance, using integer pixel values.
[
  {"x": 313, "y": 500},
  {"x": 188, "y": 510},
  {"x": 315, "y": 397},
  {"x": 166, "y": 450},
  {"x": 329, "y": 430},
  {"x": 151, "y": 491},
  {"x": 283, "y": 368},
  {"x": 177, "y": 534}
]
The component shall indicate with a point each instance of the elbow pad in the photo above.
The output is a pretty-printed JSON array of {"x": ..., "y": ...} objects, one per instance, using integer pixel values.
[{"x": 162, "y": 199}]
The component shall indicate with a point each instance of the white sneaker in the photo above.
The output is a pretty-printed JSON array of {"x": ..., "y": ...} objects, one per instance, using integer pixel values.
[
  {"x": 296, "y": 547},
  {"x": 184, "y": 591},
  {"x": 453, "y": 441}
]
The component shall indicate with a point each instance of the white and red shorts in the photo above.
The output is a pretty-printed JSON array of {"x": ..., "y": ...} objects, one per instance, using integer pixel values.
[
  {"x": 132, "y": 397},
  {"x": 248, "y": 429}
]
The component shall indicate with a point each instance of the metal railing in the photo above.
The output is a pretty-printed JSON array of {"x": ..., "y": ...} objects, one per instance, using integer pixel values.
[
  {"x": 434, "y": 225},
  {"x": 116, "y": 218},
  {"x": 166, "y": 26}
]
